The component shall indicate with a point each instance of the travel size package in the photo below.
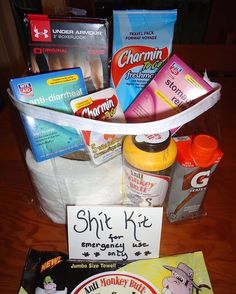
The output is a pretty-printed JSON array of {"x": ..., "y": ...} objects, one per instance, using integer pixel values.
[
  {"x": 102, "y": 105},
  {"x": 57, "y": 43},
  {"x": 53, "y": 272},
  {"x": 142, "y": 42}
]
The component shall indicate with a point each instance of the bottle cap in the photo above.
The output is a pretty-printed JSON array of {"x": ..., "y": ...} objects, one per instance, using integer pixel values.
[
  {"x": 203, "y": 150},
  {"x": 152, "y": 143}
]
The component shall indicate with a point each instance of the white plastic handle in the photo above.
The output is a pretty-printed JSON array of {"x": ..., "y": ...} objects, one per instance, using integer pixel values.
[{"x": 81, "y": 123}]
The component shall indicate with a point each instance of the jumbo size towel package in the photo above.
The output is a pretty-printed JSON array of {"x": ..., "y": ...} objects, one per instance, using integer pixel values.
[
  {"x": 53, "y": 272},
  {"x": 142, "y": 42},
  {"x": 66, "y": 42}
]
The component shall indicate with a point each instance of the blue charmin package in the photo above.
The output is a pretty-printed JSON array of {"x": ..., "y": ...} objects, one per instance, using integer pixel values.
[
  {"x": 142, "y": 42},
  {"x": 52, "y": 90}
]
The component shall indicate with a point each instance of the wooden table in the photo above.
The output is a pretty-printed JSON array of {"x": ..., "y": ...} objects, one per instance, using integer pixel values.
[{"x": 23, "y": 227}]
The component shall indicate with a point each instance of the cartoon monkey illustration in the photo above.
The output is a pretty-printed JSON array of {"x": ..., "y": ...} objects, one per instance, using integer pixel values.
[{"x": 180, "y": 281}]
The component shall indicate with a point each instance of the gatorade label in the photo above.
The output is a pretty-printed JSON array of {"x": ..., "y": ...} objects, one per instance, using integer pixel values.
[{"x": 189, "y": 182}]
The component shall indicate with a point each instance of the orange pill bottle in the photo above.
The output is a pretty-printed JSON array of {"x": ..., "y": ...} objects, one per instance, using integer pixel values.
[{"x": 147, "y": 167}]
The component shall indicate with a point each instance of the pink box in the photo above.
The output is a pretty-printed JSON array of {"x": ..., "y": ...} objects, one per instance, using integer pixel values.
[{"x": 173, "y": 89}]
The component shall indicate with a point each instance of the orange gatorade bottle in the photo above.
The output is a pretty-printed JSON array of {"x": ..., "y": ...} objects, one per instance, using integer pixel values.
[
  {"x": 198, "y": 157},
  {"x": 147, "y": 166}
]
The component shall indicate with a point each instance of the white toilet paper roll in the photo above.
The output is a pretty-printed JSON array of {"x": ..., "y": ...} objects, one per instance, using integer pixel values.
[{"x": 59, "y": 182}]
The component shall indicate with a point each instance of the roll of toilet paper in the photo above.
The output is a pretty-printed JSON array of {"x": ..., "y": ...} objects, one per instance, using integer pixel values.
[{"x": 59, "y": 182}]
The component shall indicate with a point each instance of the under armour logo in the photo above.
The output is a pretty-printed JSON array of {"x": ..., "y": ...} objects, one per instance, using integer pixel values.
[
  {"x": 40, "y": 30},
  {"x": 44, "y": 33}
]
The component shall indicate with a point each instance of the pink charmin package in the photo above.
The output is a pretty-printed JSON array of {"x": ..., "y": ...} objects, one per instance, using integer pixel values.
[{"x": 173, "y": 89}]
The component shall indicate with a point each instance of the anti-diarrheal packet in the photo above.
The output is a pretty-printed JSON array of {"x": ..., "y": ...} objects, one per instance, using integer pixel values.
[{"x": 54, "y": 91}]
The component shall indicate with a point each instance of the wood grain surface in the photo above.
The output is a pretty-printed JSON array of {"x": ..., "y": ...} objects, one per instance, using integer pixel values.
[{"x": 23, "y": 227}]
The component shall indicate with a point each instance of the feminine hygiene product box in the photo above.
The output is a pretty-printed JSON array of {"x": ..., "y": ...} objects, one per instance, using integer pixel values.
[{"x": 52, "y": 90}]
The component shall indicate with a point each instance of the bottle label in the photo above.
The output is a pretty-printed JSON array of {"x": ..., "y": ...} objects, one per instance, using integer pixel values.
[
  {"x": 153, "y": 138},
  {"x": 187, "y": 192},
  {"x": 143, "y": 188}
]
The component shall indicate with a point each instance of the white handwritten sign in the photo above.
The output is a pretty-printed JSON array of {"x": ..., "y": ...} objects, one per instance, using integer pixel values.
[{"x": 114, "y": 233}]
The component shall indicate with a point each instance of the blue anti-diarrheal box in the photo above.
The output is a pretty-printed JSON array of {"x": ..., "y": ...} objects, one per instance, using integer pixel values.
[{"x": 52, "y": 90}]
